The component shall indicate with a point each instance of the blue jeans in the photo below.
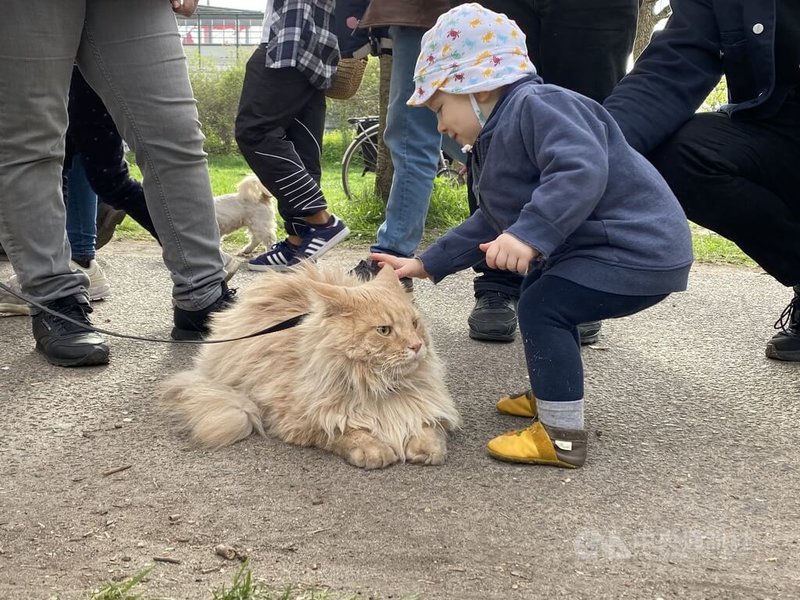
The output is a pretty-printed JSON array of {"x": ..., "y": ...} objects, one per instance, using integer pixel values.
[
  {"x": 81, "y": 211},
  {"x": 413, "y": 139}
]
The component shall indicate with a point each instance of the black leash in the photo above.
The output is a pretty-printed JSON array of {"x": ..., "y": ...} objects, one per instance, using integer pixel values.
[{"x": 287, "y": 324}]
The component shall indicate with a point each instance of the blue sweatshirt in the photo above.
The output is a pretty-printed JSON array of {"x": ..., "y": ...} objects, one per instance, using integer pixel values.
[{"x": 552, "y": 168}]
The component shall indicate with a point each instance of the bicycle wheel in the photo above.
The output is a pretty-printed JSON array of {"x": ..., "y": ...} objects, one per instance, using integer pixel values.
[
  {"x": 359, "y": 163},
  {"x": 450, "y": 176}
]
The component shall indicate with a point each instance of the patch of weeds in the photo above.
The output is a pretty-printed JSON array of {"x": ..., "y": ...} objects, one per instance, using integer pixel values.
[
  {"x": 243, "y": 587},
  {"x": 121, "y": 590}
]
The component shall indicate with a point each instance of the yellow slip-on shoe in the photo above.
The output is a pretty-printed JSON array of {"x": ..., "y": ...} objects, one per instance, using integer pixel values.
[
  {"x": 541, "y": 445},
  {"x": 522, "y": 404}
]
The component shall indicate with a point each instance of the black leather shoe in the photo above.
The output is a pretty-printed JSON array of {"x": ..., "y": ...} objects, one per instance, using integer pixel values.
[
  {"x": 494, "y": 317},
  {"x": 66, "y": 344},
  {"x": 589, "y": 332},
  {"x": 193, "y": 324},
  {"x": 785, "y": 345}
]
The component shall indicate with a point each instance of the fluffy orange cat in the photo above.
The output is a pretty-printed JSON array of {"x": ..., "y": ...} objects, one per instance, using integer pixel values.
[{"x": 358, "y": 376}]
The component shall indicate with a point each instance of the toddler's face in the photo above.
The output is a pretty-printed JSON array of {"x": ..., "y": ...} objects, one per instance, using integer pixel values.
[{"x": 456, "y": 117}]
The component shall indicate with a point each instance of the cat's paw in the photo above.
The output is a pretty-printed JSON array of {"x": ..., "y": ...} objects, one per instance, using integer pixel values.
[
  {"x": 371, "y": 454},
  {"x": 429, "y": 448}
]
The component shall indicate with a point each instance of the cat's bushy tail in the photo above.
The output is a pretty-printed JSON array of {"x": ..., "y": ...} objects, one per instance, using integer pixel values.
[{"x": 214, "y": 414}]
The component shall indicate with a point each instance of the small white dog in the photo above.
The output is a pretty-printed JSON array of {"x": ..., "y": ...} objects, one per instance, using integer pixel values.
[{"x": 251, "y": 206}]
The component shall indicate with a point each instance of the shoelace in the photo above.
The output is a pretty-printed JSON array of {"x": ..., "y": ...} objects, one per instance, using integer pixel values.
[
  {"x": 76, "y": 312},
  {"x": 787, "y": 319},
  {"x": 494, "y": 300},
  {"x": 226, "y": 299}
]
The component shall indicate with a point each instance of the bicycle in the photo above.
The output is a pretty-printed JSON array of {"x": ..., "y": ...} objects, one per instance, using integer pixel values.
[{"x": 360, "y": 161}]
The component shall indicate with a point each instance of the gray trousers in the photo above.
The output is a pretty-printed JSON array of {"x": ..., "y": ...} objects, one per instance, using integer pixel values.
[{"x": 130, "y": 53}]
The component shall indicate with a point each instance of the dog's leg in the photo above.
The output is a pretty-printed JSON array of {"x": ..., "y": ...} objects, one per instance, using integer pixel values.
[{"x": 252, "y": 244}]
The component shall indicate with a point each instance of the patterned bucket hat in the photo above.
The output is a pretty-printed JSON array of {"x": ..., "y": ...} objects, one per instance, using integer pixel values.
[{"x": 470, "y": 49}]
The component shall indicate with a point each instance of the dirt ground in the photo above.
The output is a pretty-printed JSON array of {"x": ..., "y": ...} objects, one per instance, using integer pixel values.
[{"x": 689, "y": 491}]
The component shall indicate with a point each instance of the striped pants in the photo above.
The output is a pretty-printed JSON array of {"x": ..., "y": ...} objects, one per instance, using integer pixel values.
[{"x": 279, "y": 130}]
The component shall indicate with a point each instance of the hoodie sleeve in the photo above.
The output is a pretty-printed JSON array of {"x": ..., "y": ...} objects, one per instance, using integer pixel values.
[
  {"x": 569, "y": 143},
  {"x": 458, "y": 248},
  {"x": 671, "y": 78}
]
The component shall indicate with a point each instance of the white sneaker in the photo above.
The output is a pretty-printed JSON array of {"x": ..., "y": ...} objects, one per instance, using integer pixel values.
[
  {"x": 10, "y": 304},
  {"x": 231, "y": 264},
  {"x": 99, "y": 287}
]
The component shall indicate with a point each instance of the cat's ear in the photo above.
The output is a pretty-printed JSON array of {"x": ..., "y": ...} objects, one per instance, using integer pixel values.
[
  {"x": 387, "y": 274},
  {"x": 335, "y": 299}
]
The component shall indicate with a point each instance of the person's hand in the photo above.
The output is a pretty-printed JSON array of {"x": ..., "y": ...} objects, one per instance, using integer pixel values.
[
  {"x": 185, "y": 8},
  {"x": 509, "y": 254},
  {"x": 403, "y": 267}
]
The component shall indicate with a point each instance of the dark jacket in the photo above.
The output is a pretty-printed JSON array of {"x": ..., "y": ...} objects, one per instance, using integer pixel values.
[
  {"x": 552, "y": 168},
  {"x": 407, "y": 13},
  {"x": 353, "y": 41},
  {"x": 702, "y": 40}
]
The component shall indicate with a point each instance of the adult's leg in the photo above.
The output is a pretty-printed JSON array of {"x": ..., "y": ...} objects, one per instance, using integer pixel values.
[
  {"x": 413, "y": 139},
  {"x": 131, "y": 55},
  {"x": 38, "y": 43},
  {"x": 584, "y": 45},
  {"x": 93, "y": 133},
  {"x": 494, "y": 316},
  {"x": 740, "y": 179}
]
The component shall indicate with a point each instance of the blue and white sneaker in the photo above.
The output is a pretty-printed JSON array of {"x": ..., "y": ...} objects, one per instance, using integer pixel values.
[
  {"x": 278, "y": 258},
  {"x": 318, "y": 240}
]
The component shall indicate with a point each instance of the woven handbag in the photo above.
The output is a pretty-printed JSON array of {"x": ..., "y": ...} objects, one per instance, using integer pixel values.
[{"x": 347, "y": 78}]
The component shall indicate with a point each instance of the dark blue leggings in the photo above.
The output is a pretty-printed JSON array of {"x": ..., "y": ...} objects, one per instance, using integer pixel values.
[{"x": 550, "y": 309}]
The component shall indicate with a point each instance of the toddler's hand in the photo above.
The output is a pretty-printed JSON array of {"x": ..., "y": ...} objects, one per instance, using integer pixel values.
[
  {"x": 509, "y": 254},
  {"x": 403, "y": 267}
]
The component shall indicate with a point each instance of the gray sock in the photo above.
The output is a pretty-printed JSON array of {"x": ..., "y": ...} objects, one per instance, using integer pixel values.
[{"x": 566, "y": 415}]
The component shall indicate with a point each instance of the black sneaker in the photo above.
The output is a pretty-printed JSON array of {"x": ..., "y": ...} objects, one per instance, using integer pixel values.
[
  {"x": 589, "y": 332},
  {"x": 367, "y": 269},
  {"x": 494, "y": 317},
  {"x": 66, "y": 344},
  {"x": 785, "y": 345},
  {"x": 193, "y": 324}
]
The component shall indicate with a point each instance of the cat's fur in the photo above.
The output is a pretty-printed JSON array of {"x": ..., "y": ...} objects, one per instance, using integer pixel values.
[{"x": 337, "y": 380}]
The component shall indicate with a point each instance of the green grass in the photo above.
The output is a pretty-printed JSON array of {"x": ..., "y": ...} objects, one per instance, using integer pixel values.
[
  {"x": 243, "y": 586},
  {"x": 365, "y": 214},
  {"x": 122, "y": 589},
  {"x": 712, "y": 248}
]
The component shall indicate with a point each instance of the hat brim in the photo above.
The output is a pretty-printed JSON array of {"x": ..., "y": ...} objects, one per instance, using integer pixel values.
[{"x": 420, "y": 97}]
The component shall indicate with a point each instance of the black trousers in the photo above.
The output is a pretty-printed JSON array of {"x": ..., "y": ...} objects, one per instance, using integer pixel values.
[
  {"x": 279, "y": 130},
  {"x": 93, "y": 134},
  {"x": 741, "y": 179},
  {"x": 582, "y": 45}
]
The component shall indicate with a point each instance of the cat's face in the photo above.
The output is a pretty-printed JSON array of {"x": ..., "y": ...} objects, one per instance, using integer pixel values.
[{"x": 375, "y": 324}]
